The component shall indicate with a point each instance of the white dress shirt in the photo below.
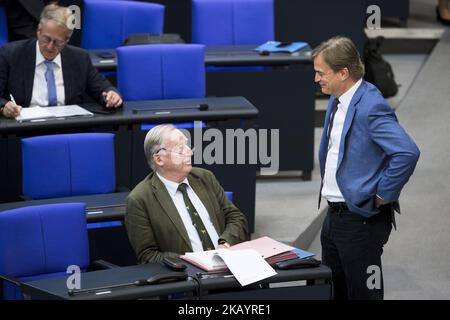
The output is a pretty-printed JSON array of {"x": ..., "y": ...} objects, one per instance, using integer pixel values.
[
  {"x": 40, "y": 92},
  {"x": 177, "y": 198},
  {"x": 330, "y": 190}
]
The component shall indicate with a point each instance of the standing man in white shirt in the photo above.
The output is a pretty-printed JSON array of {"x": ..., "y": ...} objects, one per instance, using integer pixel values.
[
  {"x": 365, "y": 159},
  {"x": 47, "y": 71},
  {"x": 178, "y": 208}
]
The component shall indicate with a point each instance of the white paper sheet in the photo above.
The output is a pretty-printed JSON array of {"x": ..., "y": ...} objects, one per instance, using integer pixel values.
[
  {"x": 246, "y": 265},
  {"x": 37, "y": 112},
  {"x": 32, "y": 113}
]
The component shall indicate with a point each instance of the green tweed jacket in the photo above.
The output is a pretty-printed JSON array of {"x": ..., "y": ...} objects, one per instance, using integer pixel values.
[{"x": 155, "y": 228}]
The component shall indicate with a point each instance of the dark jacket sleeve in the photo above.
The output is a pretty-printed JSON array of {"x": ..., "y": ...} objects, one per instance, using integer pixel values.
[
  {"x": 96, "y": 83},
  {"x": 141, "y": 235},
  {"x": 4, "y": 71}
]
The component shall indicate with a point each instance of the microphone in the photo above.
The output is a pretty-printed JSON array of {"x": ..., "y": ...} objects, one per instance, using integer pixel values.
[
  {"x": 155, "y": 279},
  {"x": 201, "y": 107}
]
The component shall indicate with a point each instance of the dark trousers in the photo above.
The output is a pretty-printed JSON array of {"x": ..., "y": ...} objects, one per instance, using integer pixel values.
[{"x": 352, "y": 247}]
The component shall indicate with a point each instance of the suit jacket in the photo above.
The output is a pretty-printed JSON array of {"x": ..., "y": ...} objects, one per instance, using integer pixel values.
[
  {"x": 155, "y": 228},
  {"x": 376, "y": 155},
  {"x": 17, "y": 68}
]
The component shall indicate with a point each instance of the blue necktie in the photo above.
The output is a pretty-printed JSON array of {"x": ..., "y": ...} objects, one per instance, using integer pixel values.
[{"x": 51, "y": 87}]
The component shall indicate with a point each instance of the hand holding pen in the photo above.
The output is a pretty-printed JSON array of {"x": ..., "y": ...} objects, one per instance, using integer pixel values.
[{"x": 11, "y": 109}]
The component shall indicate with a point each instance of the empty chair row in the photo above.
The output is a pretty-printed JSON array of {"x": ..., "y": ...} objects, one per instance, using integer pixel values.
[{"x": 107, "y": 23}]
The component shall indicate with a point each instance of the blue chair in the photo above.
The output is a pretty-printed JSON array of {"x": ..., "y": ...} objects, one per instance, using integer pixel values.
[
  {"x": 68, "y": 165},
  {"x": 3, "y": 27},
  {"x": 229, "y": 195},
  {"x": 161, "y": 71},
  {"x": 40, "y": 242},
  {"x": 232, "y": 22},
  {"x": 107, "y": 24}
]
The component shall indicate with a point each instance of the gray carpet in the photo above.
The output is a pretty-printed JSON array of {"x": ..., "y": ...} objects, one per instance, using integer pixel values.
[{"x": 417, "y": 257}]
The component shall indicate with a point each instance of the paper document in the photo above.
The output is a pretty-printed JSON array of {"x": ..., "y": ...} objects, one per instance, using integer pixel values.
[
  {"x": 37, "y": 112},
  {"x": 206, "y": 260},
  {"x": 268, "y": 248},
  {"x": 69, "y": 111},
  {"x": 246, "y": 265},
  {"x": 33, "y": 113}
]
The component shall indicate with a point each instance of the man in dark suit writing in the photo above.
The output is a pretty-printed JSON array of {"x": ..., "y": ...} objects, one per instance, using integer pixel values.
[
  {"x": 178, "y": 208},
  {"x": 48, "y": 72}
]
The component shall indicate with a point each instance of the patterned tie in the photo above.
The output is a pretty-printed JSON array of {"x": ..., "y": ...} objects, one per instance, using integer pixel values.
[
  {"x": 330, "y": 126},
  {"x": 51, "y": 87},
  {"x": 196, "y": 220}
]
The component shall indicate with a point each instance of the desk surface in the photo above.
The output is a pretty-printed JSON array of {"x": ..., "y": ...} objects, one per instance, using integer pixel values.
[
  {"x": 219, "y": 108},
  {"x": 99, "y": 207},
  {"x": 55, "y": 288},
  {"x": 222, "y": 56}
]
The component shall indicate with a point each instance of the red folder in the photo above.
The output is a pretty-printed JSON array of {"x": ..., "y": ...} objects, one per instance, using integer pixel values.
[{"x": 271, "y": 250}]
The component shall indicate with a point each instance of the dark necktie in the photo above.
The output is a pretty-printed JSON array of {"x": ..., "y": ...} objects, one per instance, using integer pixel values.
[
  {"x": 51, "y": 86},
  {"x": 196, "y": 219},
  {"x": 330, "y": 126}
]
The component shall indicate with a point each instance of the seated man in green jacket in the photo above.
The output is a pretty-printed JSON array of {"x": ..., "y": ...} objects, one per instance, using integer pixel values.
[{"x": 178, "y": 208}]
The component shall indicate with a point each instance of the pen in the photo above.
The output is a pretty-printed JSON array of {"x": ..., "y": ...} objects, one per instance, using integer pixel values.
[{"x": 12, "y": 99}]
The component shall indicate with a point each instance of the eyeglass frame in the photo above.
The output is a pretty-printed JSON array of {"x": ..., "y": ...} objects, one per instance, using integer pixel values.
[
  {"x": 46, "y": 40},
  {"x": 182, "y": 153}
]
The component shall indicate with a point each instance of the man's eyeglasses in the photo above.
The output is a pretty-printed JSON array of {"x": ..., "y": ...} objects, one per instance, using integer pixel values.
[
  {"x": 182, "y": 151},
  {"x": 47, "y": 40}
]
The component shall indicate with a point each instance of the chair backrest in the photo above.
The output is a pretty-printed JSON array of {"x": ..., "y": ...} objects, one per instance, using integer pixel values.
[
  {"x": 161, "y": 71},
  {"x": 106, "y": 24},
  {"x": 68, "y": 165},
  {"x": 3, "y": 27},
  {"x": 42, "y": 241},
  {"x": 230, "y": 22},
  {"x": 229, "y": 195}
]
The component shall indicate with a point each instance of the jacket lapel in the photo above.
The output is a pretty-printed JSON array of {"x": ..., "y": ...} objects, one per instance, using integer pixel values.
[
  {"x": 349, "y": 119},
  {"x": 200, "y": 190},
  {"x": 69, "y": 73},
  {"x": 167, "y": 204},
  {"x": 29, "y": 69}
]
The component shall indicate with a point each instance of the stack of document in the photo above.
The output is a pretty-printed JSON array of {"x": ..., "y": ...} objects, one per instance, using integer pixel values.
[
  {"x": 271, "y": 250},
  {"x": 246, "y": 265},
  {"x": 41, "y": 113},
  {"x": 244, "y": 257}
]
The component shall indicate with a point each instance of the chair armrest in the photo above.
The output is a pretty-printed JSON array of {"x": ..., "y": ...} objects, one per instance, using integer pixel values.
[{"x": 103, "y": 264}]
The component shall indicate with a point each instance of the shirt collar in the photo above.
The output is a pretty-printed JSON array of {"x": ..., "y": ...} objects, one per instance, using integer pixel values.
[
  {"x": 40, "y": 58},
  {"x": 346, "y": 98},
  {"x": 172, "y": 187}
]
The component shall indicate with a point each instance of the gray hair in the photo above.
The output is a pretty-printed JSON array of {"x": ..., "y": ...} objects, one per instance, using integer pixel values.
[
  {"x": 63, "y": 16},
  {"x": 339, "y": 53},
  {"x": 154, "y": 140}
]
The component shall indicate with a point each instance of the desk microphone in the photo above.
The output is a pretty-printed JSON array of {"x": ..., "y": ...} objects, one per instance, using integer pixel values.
[
  {"x": 155, "y": 279},
  {"x": 201, "y": 107}
]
